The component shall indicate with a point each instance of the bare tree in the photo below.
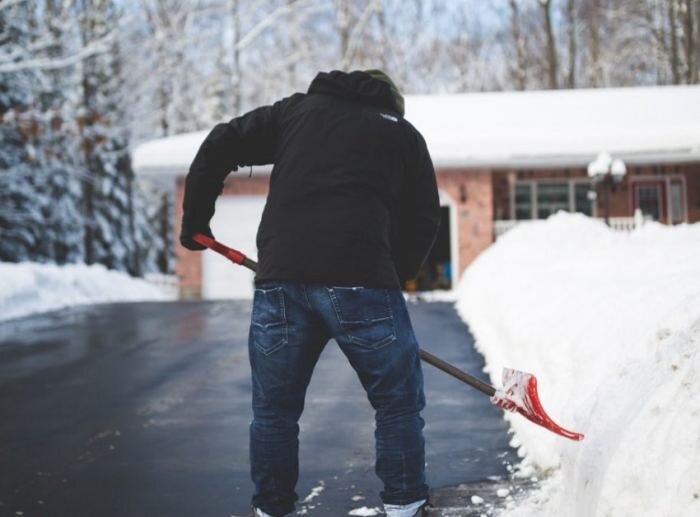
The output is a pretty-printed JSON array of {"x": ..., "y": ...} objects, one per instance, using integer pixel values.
[
  {"x": 551, "y": 52},
  {"x": 571, "y": 40},
  {"x": 592, "y": 18},
  {"x": 235, "y": 74},
  {"x": 687, "y": 13},
  {"x": 674, "y": 58},
  {"x": 519, "y": 69}
]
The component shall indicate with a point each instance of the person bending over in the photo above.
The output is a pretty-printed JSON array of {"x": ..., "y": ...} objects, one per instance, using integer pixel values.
[{"x": 352, "y": 212}]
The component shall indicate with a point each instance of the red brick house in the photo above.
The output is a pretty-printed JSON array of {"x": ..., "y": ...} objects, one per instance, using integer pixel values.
[{"x": 500, "y": 158}]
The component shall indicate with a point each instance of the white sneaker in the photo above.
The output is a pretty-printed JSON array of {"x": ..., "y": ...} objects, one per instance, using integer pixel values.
[{"x": 404, "y": 510}]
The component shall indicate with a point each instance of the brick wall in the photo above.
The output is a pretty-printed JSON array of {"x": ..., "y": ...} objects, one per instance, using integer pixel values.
[
  {"x": 471, "y": 191},
  {"x": 692, "y": 186}
]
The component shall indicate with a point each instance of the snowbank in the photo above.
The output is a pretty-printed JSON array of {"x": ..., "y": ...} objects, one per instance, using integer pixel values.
[
  {"x": 610, "y": 324},
  {"x": 27, "y": 288}
]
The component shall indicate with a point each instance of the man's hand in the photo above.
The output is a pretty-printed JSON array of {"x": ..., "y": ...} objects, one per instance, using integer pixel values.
[{"x": 188, "y": 242}]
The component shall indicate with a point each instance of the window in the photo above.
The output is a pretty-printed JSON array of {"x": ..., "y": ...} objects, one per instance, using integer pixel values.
[
  {"x": 677, "y": 202},
  {"x": 582, "y": 200},
  {"x": 523, "y": 200},
  {"x": 552, "y": 197},
  {"x": 540, "y": 199},
  {"x": 648, "y": 200}
]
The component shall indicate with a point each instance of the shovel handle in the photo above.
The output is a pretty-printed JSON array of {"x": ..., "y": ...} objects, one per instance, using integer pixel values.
[
  {"x": 458, "y": 374},
  {"x": 239, "y": 258}
]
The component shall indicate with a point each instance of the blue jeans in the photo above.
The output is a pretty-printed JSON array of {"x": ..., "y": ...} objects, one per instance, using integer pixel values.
[{"x": 290, "y": 325}]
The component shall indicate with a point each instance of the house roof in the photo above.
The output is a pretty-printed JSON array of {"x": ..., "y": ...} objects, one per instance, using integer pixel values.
[{"x": 556, "y": 128}]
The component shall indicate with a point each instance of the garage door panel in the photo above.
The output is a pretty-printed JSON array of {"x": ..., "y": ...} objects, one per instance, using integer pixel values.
[{"x": 235, "y": 223}]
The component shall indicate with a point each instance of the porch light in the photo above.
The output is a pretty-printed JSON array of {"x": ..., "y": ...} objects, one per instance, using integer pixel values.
[
  {"x": 599, "y": 167},
  {"x": 618, "y": 170}
]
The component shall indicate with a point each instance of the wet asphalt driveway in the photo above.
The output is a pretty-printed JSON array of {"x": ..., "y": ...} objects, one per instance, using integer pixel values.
[{"x": 143, "y": 410}]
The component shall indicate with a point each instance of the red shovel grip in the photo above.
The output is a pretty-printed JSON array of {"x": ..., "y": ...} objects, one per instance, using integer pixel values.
[{"x": 231, "y": 254}]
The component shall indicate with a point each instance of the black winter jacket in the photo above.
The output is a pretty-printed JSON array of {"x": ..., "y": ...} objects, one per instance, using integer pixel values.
[{"x": 353, "y": 198}]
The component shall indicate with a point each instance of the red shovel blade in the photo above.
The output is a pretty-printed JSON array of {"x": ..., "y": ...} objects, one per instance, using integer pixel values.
[{"x": 519, "y": 394}]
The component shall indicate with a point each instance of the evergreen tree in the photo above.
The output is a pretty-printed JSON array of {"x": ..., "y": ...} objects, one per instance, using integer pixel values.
[{"x": 38, "y": 217}]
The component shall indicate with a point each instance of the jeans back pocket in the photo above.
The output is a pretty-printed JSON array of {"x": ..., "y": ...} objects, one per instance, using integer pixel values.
[
  {"x": 269, "y": 320},
  {"x": 364, "y": 314}
]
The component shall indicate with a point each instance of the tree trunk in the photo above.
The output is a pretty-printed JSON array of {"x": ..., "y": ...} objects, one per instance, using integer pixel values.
[
  {"x": 164, "y": 230},
  {"x": 546, "y": 6},
  {"x": 689, "y": 38},
  {"x": 520, "y": 72},
  {"x": 87, "y": 28},
  {"x": 343, "y": 22},
  {"x": 571, "y": 35},
  {"x": 235, "y": 83},
  {"x": 592, "y": 18},
  {"x": 673, "y": 56}
]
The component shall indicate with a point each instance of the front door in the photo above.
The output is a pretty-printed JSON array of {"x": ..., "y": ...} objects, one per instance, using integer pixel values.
[{"x": 660, "y": 199}]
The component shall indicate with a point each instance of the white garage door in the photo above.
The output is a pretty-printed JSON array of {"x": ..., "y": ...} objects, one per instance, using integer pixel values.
[{"x": 235, "y": 224}]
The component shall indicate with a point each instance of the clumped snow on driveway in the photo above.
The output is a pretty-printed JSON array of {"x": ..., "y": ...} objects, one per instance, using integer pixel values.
[
  {"x": 610, "y": 324},
  {"x": 27, "y": 287}
]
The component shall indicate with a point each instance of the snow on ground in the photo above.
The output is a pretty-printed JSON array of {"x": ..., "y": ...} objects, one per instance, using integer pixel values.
[
  {"x": 27, "y": 288},
  {"x": 610, "y": 324}
]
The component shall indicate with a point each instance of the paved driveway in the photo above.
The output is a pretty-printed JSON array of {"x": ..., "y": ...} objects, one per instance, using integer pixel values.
[{"x": 143, "y": 410}]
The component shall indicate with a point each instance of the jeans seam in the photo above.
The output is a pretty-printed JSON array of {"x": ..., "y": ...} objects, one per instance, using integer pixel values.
[
  {"x": 306, "y": 296},
  {"x": 404, "y": 485},
  {"x": 391, "y": 312},
  {"x": 334, "y": 303}
]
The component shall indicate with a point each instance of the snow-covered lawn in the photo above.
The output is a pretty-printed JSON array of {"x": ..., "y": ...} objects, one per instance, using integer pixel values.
[
  {"x": 610, "y": 324},
  {"x": 27, "y": 288}
]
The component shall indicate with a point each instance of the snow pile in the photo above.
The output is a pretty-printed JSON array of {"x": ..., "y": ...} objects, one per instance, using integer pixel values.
[
  {"x": 27, "y": 288},
  {"x": 610, "y": 324}
]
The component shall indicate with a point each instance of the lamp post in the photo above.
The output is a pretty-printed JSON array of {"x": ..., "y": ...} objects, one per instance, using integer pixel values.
[{"x": 608, "y": 173}]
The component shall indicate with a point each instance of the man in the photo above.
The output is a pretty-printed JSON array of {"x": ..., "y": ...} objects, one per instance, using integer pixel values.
[{"x": 351, "y": 213}]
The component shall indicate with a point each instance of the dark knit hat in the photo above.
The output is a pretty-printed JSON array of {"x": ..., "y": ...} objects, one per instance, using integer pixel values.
[{"x": 395, "y": 92}]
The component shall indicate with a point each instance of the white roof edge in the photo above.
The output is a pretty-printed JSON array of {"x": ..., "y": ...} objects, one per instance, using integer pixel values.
[
  {"x": 686, "y": 155},
  {"x": 544, "y": 128}
]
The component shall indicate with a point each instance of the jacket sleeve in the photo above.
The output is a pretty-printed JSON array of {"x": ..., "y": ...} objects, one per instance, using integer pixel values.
[
  {"x": 250, "y": 139},
  {"x": 419, "y": 214}
]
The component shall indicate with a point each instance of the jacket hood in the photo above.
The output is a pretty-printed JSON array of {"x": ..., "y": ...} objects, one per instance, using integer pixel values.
[{"x": 356, "y": 86}]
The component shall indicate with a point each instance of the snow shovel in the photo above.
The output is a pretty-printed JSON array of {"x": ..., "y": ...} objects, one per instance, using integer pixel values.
[{"x": 519, "y": 393}]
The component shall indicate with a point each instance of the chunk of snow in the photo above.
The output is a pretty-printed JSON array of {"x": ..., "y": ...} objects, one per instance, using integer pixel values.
[
  {"x": 29, "y": 287},
  {"x": 609, "y": 322},
  {"x": 477, "y": 500},
  {"x": 364, "y": 511},
  {"x": 315, "y": 492},
  {"x": 502, "y": 492}
]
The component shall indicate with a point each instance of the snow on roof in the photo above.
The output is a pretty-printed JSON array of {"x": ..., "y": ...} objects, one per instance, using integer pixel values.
[{"x": 555, "y": 128}]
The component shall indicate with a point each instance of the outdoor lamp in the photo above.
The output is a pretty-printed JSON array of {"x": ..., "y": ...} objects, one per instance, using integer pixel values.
[
  {"x": 609, "y": 173},
  {"x": 618, "y": 170},
  {"x": 599, "y": 167}
]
